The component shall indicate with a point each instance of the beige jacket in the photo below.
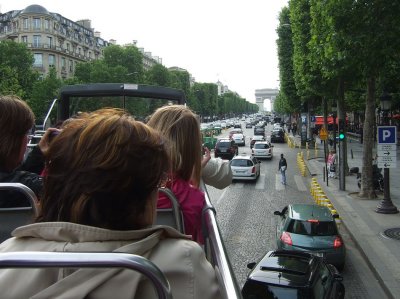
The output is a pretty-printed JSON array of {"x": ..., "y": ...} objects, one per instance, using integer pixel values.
[
  {"x": 182, "y": 261},
  {"x": 217, "y": 173}
]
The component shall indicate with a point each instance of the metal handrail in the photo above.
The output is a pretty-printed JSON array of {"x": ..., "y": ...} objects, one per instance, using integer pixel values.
[
  {"x": 48, "y": 114},
  {"x": 24, "y": 190},
  {"x": 35, "y": 259},
  {"x": 215, "y": 247}
]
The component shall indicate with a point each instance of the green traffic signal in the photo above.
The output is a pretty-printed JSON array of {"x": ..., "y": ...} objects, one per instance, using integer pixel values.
[{"x": 341, "y": 136}]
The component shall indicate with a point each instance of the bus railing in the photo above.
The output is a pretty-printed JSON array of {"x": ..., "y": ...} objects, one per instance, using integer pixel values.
[{"x": 36, "y": 259}]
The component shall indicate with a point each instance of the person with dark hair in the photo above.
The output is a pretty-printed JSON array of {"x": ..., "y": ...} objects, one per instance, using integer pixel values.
[
  {"x": 100, "y": 195},
  {"x": 16, "y": 122},
  {"x": 282, "y": 168}
]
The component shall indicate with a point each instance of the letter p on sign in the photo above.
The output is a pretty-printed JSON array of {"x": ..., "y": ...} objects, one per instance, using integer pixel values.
[{"x": 387, "y": 135}]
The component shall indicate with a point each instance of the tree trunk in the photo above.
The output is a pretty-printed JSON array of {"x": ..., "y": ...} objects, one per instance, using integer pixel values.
[{"x": 367, "y": 186}]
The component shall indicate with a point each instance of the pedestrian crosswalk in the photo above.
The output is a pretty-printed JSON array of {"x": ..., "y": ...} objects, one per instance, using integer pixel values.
[{"x": 296, "y": 181}]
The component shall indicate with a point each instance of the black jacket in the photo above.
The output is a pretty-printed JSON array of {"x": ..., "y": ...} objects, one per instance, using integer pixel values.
[
  {"x": 282, "y": 162},
  {"x": 29, "y": 175}
]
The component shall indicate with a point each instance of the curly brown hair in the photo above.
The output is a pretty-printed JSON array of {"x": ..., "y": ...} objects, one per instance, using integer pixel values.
[{"x": 101, "y": 171}]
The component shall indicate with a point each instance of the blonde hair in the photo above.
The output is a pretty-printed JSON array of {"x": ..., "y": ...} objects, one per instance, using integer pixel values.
[{"x": 181, "y": 127}]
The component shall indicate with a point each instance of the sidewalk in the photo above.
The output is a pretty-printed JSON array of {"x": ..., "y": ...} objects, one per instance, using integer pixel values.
[{"x": 366, "y": 227}]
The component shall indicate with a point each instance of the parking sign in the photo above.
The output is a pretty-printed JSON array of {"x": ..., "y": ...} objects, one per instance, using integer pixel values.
[{"x": 387, "y": 135}]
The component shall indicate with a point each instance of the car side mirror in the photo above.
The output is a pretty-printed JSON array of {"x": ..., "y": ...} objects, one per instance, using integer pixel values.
[
  {"x": 277, "y": 213},
  {"x": 335, "y": 216},
  {"x": 251, "y": 265}
]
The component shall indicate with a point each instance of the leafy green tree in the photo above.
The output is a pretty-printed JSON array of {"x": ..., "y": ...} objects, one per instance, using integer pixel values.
[
  {"x": 43, "y": 93},
  {"x": 16, "y": 69},
  {"x": 288, "y": 92},
  {"x": 180, "y": 80},
  {"x": 129, "y": 57},
  {"x": 158, "y": 75}
]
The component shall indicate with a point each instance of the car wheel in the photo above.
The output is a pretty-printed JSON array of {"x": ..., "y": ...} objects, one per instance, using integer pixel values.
[{"x": 340, "y": 267}]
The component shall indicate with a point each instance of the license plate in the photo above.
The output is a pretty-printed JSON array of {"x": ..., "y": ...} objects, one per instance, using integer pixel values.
[
  {"x": 223, "y": 151},
  {"x": 320, "y": 254}
]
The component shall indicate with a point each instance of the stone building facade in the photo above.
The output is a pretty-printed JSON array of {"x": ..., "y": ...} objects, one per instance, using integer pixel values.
[{"x": 54, "y": 40}]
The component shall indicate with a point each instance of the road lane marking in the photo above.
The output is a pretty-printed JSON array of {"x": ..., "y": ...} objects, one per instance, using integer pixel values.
[
  {"x": 278, "y": 184},
  {"x": 261, "y": 182},
  {"x": 299, "y": 183},
  {"x": 239, "y": 185}
]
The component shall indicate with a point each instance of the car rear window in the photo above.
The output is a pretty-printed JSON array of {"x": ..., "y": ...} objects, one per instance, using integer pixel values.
[
  {"x": 224, "y": 144},
  {"x": 241, "y": 162},
  {"x": 261, "y": 145},
  {"x": 320, "y": 228},
  {"x": 255, "y": 289}
]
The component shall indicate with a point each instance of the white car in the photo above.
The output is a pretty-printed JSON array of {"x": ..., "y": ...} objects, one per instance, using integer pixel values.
[
  {"x": 245, "y": 167},
  {"x": 256, "y": 138},
  {"x": 263, "y": 149},
  {"x": 239, "y": 139}
]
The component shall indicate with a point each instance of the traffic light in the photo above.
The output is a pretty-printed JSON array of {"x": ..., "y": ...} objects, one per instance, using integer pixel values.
[{"x": 342, "y": 135}]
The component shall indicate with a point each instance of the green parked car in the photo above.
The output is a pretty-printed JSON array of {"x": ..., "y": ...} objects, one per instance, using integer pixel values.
[{"x": 310, "y": 228}]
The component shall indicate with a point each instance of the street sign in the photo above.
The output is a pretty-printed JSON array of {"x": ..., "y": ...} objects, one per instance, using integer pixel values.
[
  {"x": 387, "y": 165},
  {"x": 323, "y": 134},
  {"x": 387, "y": 154},
  {"x": 387, "y": 134},
  {"x": 312, "y": 118},
  {"x": 386, "y": 147},
  {"x": 387, "y": 162}
]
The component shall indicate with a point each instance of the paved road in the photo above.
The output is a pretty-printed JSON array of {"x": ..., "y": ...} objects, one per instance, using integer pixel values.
[{"x": 245, "y": 216}]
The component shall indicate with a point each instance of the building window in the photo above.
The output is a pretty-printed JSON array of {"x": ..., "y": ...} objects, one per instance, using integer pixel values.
[
  {"x": 50, "y": 41},
  {"x": 52, "y": 60},
  {"x": 25, "y": 23},
  {"x": 70, "y": 65},
  {"x": 63, "y": 63},
  {"x": 38, "y": 60},
  {"x": 46, "y": 25},
  {"x": 37, "y": 23},
  {"x": 24, "y": 39},
  {"x": 36, "y": 41}
]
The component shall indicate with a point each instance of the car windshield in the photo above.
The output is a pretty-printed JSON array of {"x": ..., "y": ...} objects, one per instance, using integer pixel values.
[
  {"x": 312, "y": 228},
  {"x": 261, "y": 146},
  {"x": 260, "y": 290},
  {"x": 241, "y": 162}
]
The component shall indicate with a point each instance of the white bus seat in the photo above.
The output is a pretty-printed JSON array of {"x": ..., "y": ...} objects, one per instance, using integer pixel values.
[
  {"x": 171, "y": 216},
  {"x": 37, "y": 259},
  {"x": 11, "y": 218}
]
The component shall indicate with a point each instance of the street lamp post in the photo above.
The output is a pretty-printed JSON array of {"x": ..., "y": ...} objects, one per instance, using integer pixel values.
[{"x": 386, "y": 205}]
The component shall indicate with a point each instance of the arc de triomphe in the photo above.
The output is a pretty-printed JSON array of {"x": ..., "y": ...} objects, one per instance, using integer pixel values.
[{"x": 266, "y": 93}]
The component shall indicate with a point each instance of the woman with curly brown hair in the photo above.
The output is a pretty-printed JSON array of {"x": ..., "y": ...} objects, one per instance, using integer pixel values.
[{"x": 100, "y": 193}]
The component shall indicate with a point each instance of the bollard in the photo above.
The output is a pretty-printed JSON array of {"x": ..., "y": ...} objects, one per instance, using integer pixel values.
[
  {"x": 324, "y": 202},
  {"x": 351, "y": 151}
]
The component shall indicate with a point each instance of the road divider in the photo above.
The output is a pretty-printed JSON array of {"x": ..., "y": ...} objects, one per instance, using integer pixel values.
[
  {"x": 321, "y": 199},
  {"x": 301, "y": 164}
]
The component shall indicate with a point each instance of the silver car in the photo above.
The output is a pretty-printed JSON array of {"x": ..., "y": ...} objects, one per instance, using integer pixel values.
[
  {"x": 239, "y": 139},
  {"x": 262, "y": 149},
  {"x": 245, "y": 167}
]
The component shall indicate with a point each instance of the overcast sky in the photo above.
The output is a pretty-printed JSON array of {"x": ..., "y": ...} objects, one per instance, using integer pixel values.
[{"x": 233, "y": 41}]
